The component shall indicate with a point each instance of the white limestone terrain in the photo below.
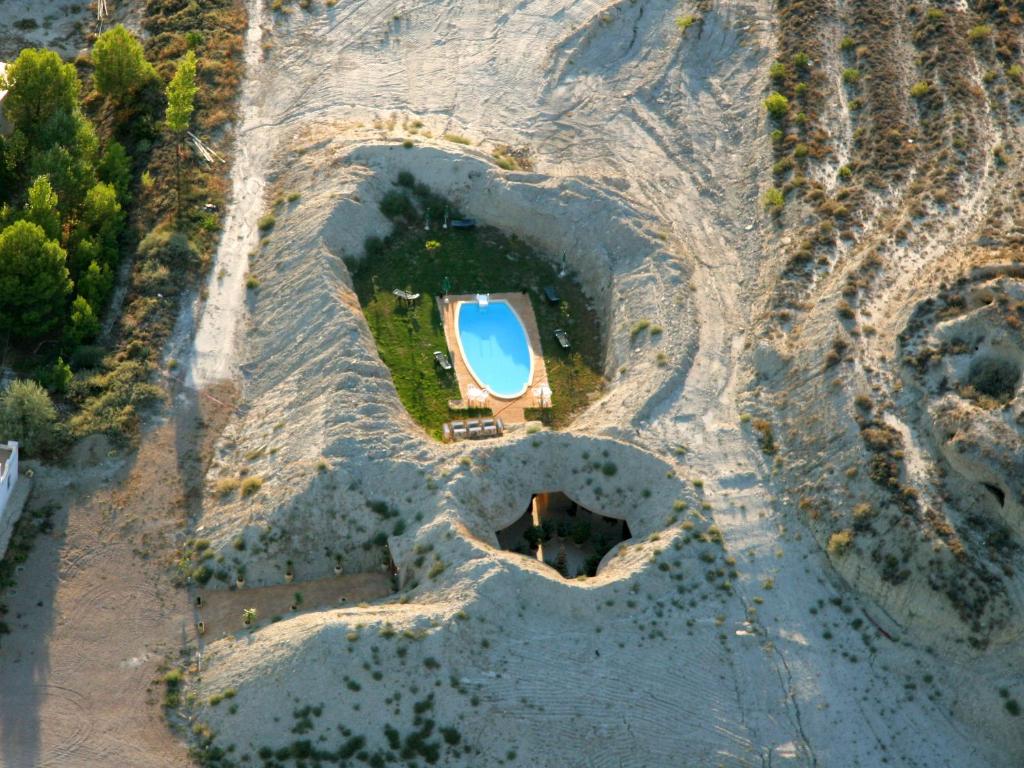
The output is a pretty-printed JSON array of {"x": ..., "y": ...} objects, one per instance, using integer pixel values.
[{"x": 731, "y": 630}]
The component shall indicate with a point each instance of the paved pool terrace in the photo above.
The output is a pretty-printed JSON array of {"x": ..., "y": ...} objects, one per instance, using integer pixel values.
[{"x": 511, "y": 411}]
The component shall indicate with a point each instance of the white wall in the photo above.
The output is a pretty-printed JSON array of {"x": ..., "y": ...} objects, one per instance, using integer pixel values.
[{"x": 7, "y": 482}]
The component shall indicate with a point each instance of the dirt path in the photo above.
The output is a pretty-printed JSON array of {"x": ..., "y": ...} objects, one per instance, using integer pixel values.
[
  {"x": 221, "y": 609},
  {"x": 95, "y": 614}
]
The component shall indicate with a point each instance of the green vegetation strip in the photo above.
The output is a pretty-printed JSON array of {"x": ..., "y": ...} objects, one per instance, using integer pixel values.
[{"x": 481, "y": 260}]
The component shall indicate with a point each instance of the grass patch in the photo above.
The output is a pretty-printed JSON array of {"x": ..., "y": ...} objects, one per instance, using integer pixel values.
[
  {"x": 251, "y": 485},
  {"x": 479, "y": 260}
]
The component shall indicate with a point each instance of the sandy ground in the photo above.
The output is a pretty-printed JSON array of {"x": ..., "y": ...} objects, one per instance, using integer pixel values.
[
  {"x": 94, "y": 616},
  {"x": 56, "y": 24},
  {"x": 648, "y": 153}
]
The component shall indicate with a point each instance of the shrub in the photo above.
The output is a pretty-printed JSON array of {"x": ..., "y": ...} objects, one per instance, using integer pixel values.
[
  {"x": 457, "y": 138},
  {"x": 844, "y": 172},
  {"x": 851, "y": 75},
  {"x": 167, "y": 246},
  {"x": 683, "y": 23},
  {"x": 979, "y": 32},
  {"x": 773, "y": 199},
  {"x": 801, "y": 60},
  {"x": 251, "y": 485},
  {"x": 994, "y": 376},
  {"x": 406, "y": 179},
  {"x": 396, "y": 204},
  {"x": 266, "y": 222},
  {"x": 777, "y": 71},
  {"x": 639, "y": 327},
  {"x": 28, "y": 416},
  {"x": 609, "y": 469},
  {"x": 226, "y": 486},
  {"x": 839, "y": 543},
  {"x": 919, "y": 89},
  {"x": 777, "y": 105}
]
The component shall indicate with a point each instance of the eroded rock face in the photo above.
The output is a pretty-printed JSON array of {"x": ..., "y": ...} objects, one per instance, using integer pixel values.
[{"x": 967, "y": 360}]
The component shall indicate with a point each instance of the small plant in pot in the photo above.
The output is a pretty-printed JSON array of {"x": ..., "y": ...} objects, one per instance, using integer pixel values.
[
  {"x": 240, "y": 578},
  {"x": 289, "y": 572},
  {"x": 296, "y": 601},
  {"x": 249, "y": 616},
  {"x": 337, "y": 566},
  {"x": 201, "y": 627}
]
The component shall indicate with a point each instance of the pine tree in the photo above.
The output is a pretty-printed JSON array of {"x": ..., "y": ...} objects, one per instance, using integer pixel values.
[
  {"x": 181, "y": 96},
  {"x": 121, "y": 66}
]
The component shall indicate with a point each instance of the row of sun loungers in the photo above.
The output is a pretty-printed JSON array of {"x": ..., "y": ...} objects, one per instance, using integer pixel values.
[{"x": 472, "y": 429}]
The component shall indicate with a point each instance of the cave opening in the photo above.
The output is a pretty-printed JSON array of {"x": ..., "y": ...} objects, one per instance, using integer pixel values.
[{"x": 563, "y": 534}]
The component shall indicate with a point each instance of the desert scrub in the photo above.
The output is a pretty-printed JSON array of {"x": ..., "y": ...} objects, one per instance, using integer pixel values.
[
  {"x": 840, "y": 542},
  {"x": 226, "y": 486},
  {"x": 457, "y": 138},
  {"x": 773, "y": 199},
  {"x": 266, "y": 222},
  {"x": 777, "y": 105},
  {"x": 851, "y": 75},
  {"x": 251, "y": 485},
  {"x": 683, "y": 23},
  {"x": 639, "y": 327}
]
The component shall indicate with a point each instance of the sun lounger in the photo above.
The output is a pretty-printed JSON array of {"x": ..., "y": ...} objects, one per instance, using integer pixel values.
[
  {"x": 489, "y": 427},
  {"x": 405, "y": 296},
  {"x": 474, "y": 428},
  {"x": 500, "y": 425},
  {"x": 551, "y": 295},
  {"x": 442, "y": 359},
  {"x": 446, "y": 433},
  {"x": 563, "y": 338},
  {"x": 463, "y": 223},
  {"x": 458, "y": 429}
]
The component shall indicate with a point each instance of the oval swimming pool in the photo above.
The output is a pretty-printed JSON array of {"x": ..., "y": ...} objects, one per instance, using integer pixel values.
[{"x": 495, "y": 347}]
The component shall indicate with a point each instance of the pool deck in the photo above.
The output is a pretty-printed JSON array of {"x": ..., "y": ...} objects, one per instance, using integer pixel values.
[{"x": 510, "y": 411}]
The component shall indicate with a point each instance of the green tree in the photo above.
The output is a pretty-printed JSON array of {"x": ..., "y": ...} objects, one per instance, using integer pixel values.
[
  {"x": 84, "y": 324},
  {"x": 41, "y": 207},
  {"x": 40, "y": 84},
  {"x": 181, "y": 95},
  {"x": 66, "y": 152},
  {"x": 116, "y": 169},
  {"x": 34, "y": 280},
  {"x": 181, "y": 98},
  {"x": 101, "y": 220},
  {"x": 121, "y": 66},
  {"x": 95, "y": 282},
  {"x": 28, "y": 416}
]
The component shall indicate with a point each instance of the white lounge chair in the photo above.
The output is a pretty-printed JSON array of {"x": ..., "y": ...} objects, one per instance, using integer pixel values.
[
  {"x": 442, "y": 359},
  {"x": 563, "y": 338}
]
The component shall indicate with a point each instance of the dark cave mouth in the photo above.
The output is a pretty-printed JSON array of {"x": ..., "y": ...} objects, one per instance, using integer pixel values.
[{"x": 563, "y": 535}]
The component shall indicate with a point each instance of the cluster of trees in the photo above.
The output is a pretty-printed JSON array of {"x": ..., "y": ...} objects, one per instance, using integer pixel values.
[{"x": 64, "y": 193}]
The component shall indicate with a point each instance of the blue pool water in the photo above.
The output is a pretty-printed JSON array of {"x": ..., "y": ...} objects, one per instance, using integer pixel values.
[{"x": 495, "y": 347}]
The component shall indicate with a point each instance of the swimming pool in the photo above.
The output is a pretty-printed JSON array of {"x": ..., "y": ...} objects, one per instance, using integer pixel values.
[{"x": 495, "y": 347}]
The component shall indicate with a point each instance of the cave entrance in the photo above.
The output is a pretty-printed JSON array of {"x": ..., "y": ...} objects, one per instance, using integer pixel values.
[{"x": 564, "y": 535}]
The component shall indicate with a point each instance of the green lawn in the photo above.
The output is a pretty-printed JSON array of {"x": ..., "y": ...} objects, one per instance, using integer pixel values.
[{"x": 475, "y": 261}]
